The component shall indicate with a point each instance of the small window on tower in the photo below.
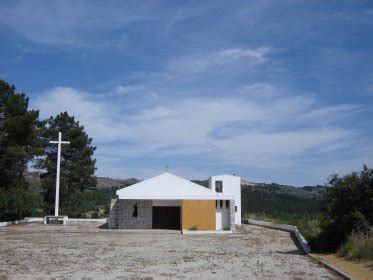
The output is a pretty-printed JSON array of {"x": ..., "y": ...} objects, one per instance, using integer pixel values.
[
  {"x": 221, "y": 203},
  {"x": 219, "y": 186},
  {"x": 235, "y": 208},
  {"x": 227, "y": 204}
]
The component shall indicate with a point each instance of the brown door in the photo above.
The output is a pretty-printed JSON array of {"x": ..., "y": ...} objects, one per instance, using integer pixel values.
[{"x": 166, "y": 217}]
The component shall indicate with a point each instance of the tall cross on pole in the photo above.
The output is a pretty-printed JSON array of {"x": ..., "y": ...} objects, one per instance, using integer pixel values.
[{"x": 59, "y": 142}]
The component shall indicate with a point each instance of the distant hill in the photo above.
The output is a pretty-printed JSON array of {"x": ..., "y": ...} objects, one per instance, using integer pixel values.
[
  {"x": 205, "y": 183},
  {"x": 249, "y": 183},
  {"x": 274, "y": 199},
  {"x": 102, "y": 182},
  {"x": 314, "y": 189},
  {"x": 107, "y": 183}
]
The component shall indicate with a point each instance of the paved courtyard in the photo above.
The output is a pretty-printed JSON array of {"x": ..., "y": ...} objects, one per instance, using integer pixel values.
[{"x": 39, "y": 251}]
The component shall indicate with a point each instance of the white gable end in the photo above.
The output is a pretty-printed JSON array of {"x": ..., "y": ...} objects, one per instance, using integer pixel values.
[{"x": 167, "y": 186}]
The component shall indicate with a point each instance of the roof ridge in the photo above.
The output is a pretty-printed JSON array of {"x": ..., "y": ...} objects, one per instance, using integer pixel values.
[{"x": 166, "y": 184}]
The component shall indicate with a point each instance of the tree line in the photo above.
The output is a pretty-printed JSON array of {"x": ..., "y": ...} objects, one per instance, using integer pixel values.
[
  {"x": 24, "y": 144},
  {"x": 339, "y": 213}
]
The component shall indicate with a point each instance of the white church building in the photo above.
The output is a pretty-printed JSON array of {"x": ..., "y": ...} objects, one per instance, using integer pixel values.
[{"x": 168, "y": 201}]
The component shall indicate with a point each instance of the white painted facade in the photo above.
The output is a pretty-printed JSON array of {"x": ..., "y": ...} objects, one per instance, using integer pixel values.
[
  {"x": 231, "y": 188},
  {"x": 222, "y": 215}
]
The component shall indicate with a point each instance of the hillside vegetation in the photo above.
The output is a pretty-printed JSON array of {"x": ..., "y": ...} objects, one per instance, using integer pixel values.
[
  {"x": 274, "y": 199},
  {"x": 277, "y": 200},
  {"x": 95, "y": 201},
  {"x": 283, "y": 204}
]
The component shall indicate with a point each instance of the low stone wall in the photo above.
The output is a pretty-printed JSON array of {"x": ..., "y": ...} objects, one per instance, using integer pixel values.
[
  {"x": 86, "y": 222},
  {"x": 17, "y": 222},
  {"x": 69, "y": 221},
  {"x": 4, "y": 224},
  {"x": 290, "y": 228},
  {"x": 34, "y": 219},
  {"x": 122, "y": 214}
]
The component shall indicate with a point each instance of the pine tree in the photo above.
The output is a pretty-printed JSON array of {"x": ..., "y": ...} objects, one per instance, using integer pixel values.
[
  {"x": 18, "y": 145},
  {"x": 77, "y": 164}
]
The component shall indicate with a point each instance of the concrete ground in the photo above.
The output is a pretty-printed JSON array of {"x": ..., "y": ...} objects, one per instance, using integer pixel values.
[{"x": 51, "y": 251}]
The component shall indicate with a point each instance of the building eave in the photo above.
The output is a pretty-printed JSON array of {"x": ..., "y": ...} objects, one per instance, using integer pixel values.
[{"x": 176, "y": 197}]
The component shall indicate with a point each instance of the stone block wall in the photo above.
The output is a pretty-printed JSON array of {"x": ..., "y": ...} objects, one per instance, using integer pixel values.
[{"x": 121, "y": 214}]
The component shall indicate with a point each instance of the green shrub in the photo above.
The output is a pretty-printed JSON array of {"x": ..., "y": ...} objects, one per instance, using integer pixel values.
[
  {"x": 346, "y": 208},
  {"x": 226, "y": 228},
  {"x": 336, "y": 232},
  {"x": 16, "y": 203},
  {"x": 193, "y": 228},
  {"x": 359, "y": 246}
]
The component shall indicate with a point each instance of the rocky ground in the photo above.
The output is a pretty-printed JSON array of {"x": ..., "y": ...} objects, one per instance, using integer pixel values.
[{"x": 41, "y": 251}]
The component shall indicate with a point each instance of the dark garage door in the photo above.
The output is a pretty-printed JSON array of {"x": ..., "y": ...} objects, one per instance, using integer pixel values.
[{"x": 166, "y": 217}]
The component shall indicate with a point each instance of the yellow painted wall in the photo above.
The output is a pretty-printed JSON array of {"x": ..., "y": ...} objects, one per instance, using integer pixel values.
[{"x": 198, "y": 213}]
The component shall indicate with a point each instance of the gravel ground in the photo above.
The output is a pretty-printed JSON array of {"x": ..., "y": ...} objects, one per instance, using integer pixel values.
[{"x": 46, "y": 251}]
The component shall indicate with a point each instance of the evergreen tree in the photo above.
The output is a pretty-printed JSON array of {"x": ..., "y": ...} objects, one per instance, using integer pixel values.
[
  {"x": 18, "y": 145},
  {"x": 347, "y": 207},
  {"x": 350, "y": 193},
  {"x": 77, "y": 164}
]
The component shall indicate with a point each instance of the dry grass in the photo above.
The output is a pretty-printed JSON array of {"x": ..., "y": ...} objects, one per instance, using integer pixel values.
[
  {"x": 359, "y": 246},
  {"x": 357, "y": 270}
]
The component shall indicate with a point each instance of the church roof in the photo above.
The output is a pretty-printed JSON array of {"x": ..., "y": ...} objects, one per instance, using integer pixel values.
[{"x": 168, "y": 186}]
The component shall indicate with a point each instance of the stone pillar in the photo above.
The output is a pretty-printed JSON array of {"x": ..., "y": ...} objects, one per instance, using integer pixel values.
[
  {"x": 113, "y": 214},
  {"x": 232, "y": 214}
]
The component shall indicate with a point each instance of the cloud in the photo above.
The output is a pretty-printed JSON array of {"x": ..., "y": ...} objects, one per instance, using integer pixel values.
[
  {"x": 83, "y": 24},
  {"x": 258, "y": 90},
  {"x": 126, "y": 89},
  {"x": 238, "y": 90},
  {"x": 280, "y": 149},
  {"x": 178, "y": 16},
  {"x": 248, "y": 56},
  {"x": 96, "y": 116},
  {"x": 154, "y": 114},
  {"x": 229, "y": 55},
  {"x": 234, "y": 131},
  {"x": 60, "y": 99}
]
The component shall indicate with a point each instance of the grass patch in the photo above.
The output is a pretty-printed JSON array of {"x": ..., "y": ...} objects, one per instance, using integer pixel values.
[
  {"x": 193, "y": 228},
  {"x": 359, "y": 246}
]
